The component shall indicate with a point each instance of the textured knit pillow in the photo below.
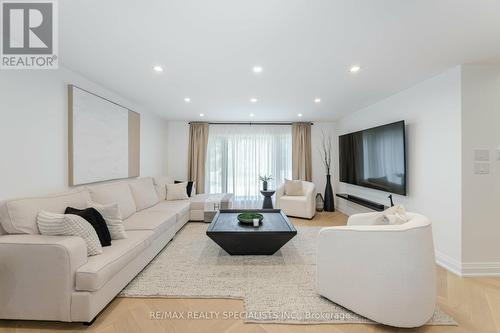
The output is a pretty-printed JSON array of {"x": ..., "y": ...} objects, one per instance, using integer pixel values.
[
  {"x": 112, "y": 216},
  {"x": 293, "y": 187},
  {"x": 51, "y": 224},
  {"x": 92, "y": 216},
  {"x": 177, "y": 191}
]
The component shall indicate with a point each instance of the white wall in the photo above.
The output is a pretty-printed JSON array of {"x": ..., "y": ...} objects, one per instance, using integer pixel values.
[
  {"x": 178, "y": 139},
  {"x": 432, "y": 111},
  {"x": 33, "y": 131},
  {"x": 481, "y": 192}
]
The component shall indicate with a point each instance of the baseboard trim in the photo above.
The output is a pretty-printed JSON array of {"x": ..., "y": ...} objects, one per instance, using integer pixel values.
[
  {"x": 475, "y": 269},
  {"x": 449, "y": 263}
]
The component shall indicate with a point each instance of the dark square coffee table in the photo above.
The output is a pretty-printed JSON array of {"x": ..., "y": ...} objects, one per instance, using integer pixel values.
[{"x": 242, "y": 239}]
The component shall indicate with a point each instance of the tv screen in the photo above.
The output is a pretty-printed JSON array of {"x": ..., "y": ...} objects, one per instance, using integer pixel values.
[{"x": 375, "y": 158}]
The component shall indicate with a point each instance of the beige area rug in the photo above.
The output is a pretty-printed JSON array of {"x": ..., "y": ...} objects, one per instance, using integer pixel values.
[{"x": 278, "y": 288}]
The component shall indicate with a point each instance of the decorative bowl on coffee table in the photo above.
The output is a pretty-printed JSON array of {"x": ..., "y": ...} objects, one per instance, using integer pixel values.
[{"x": 248, "y": 218}]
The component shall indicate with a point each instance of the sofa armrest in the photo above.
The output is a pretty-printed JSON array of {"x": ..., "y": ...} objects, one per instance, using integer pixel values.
[
  {"x": 280, "y": 191},
  {"x": 310, "y": 194},
  {"x": 37, "y": 275}
]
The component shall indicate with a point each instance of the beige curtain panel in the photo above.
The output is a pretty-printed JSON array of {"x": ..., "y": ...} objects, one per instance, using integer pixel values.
[
  {"x": 198, "y": 141},
  {"x": 301, "y": 151}
]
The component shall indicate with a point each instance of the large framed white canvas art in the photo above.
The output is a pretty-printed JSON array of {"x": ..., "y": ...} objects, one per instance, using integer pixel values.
[{"x": 104, "y": 139}]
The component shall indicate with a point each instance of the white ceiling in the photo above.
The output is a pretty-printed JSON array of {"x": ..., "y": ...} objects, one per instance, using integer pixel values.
[{"x": 305, "y": 47}]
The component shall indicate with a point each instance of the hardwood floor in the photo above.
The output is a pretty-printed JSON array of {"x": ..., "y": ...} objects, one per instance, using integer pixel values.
[{"x": 473, "y": 302}]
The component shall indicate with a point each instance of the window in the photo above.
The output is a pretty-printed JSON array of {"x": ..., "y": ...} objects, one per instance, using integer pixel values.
[{"x": 238, "y": 154}]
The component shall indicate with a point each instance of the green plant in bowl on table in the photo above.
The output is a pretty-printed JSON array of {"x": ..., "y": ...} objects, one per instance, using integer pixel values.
[{"x": 249, "y": 217}]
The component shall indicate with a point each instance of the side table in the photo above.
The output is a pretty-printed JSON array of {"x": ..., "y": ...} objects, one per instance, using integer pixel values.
[{"x": 268, "y": 202}]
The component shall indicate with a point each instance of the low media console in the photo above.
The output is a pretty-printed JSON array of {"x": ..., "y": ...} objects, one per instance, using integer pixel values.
[{"x": 363, "y": 202}]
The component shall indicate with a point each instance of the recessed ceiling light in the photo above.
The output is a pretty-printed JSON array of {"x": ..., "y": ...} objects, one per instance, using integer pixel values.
[
  {"x": 257, "y": 69},
  {"x": 317, "y": 100},
  {"x": 253, "y": 100},
  {"x": 158, "y": 69},
  {"x": 251, "y": 115},
  {"x": 202, "y": 115},
  {"x": 187, "y": 100},
  {"x": 299, "y": 115},
  {"x": 354, "y": 69}
]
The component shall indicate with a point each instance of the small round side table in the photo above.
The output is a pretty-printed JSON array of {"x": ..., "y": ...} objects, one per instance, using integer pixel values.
[{"x": 268, "y": 203}]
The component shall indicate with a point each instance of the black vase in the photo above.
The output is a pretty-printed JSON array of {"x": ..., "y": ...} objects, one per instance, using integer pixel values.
[
  {"x": 264, "y": 186},
  {"x": 329, "y": 203}
]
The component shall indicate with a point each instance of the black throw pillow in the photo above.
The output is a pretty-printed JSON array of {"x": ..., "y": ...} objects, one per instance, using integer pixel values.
[
  {"x": 92, "y": 216},
  {"x": 189, "y": 186}
]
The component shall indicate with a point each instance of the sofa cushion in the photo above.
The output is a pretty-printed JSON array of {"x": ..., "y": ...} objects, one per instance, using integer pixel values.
[
  {"x": 156, "y": 221},
  {"x": 114, "y": 192},
  {"x": 179, "y": 207},
  {"x": 144, "y": 193},
  {"x": 100, "y": 269},
  {"x": 18, "y": 216}
]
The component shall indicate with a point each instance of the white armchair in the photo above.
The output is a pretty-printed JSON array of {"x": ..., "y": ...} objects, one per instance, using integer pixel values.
[
  {"x": 298, "y": 206},
  {"x": 383, "y": 272}
]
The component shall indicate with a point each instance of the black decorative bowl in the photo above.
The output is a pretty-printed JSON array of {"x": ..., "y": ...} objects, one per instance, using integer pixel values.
[{"x": 247, "y": 218}]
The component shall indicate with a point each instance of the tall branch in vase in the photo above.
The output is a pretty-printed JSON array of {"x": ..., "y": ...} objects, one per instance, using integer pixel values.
[{"x": 326, "y": 157}]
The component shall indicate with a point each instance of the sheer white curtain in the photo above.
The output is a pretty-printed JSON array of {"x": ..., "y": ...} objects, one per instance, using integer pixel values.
[{"x": 238, "y": 154}]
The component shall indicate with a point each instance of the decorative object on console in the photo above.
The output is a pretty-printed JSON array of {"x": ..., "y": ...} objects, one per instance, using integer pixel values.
[
  {"x": 189, "y": 187},
  {"x": 319, "y": 202},
  {"x": 326, "y": 155},
  {"x": 177, "y": 191},
  {"x": 390, "y": 200},
  {"x": 92, "y": 216},
  {"x": 265, "y": 179},
  {"x": 51, "y": 224}
]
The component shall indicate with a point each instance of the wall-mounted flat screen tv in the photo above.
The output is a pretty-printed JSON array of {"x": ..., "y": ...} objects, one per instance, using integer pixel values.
[{"x": 375, "y": 158}]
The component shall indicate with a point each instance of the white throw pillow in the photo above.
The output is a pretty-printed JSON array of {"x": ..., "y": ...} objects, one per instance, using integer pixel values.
[
  {"x": 395, "y": 215},
  {"x": 144, "y": 193},
  {"x": 112, "y": 216},
  {"x": 51, "y": 224},
  {"x": 293, "y": 187},
  {"x": 177, "y": 191},
  {"x": 161, "y": 186}
]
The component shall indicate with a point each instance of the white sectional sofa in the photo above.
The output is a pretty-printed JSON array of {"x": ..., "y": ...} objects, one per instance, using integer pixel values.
[{"x": 51, "y": 277}]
